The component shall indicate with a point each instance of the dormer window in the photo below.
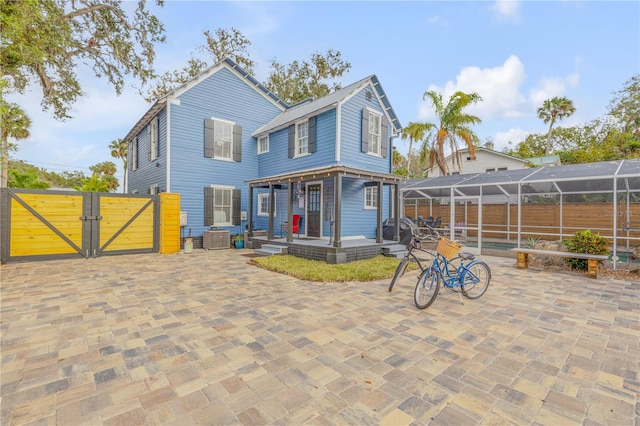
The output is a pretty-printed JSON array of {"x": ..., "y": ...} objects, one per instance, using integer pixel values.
[{"x": 263, "y": 144}]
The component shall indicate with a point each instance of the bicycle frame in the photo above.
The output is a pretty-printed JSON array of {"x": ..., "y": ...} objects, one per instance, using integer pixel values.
[{"x": 441, "y": 266}]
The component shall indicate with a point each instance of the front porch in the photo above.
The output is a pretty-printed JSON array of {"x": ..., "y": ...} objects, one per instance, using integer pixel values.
[{"x": 324, "y": 250}]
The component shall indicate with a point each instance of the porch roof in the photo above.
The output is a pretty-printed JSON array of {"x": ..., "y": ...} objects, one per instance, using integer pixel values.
[{"x": 328, "y": 171}]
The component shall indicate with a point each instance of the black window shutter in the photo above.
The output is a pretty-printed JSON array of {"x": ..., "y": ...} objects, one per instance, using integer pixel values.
[
  {"x": 237, "y": 143},
  {"x": 292, "y": 141},
  {"x": 235, "y": 215},
  {"x": 208, "y": 138},
  {"x": 384, "y": 137},
  {"x": 312, "y": 135},
  {"x": 156, "y": 132},
  {"x": 208, "y": 206},
  {"x": 135, "y": 154},
  {"x": 365, "y": 130}
]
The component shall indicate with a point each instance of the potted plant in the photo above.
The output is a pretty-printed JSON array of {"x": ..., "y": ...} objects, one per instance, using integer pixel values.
[{"x": 238, "y": 240}]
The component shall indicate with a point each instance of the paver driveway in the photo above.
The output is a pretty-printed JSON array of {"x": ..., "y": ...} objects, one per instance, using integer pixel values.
[{"x": 205, "y": 338}]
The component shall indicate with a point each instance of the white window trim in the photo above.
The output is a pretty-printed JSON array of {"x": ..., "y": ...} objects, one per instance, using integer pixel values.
[
  {"x": 374, "y": 191},
  {"x": 220, "y": 120},
  {"x": 229, "y": 188},
  {"x": 260, "y": 151},
  {"x": 275, "y": 205},
  {"x": 297, "y": 144},
  {"x": 372, "y": 113}
]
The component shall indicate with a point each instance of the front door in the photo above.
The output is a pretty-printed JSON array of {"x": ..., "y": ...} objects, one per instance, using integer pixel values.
[{"x": 314, "y": 222}]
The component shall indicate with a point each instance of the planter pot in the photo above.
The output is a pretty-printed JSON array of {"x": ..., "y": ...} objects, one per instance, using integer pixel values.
[{"x": 239, "y": 244}]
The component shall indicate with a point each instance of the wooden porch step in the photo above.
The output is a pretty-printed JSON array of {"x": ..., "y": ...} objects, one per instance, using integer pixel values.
[
  {"x": 271, "y": 249},
  {"x": 394, "y": 250}
]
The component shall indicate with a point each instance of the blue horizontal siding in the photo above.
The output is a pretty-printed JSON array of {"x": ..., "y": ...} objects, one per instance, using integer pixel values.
[
  {"x": 150, "y": 172},
  {"x": 356, "y": 220},
  {"x": 277, "y": 161},
  {"x": 351, "y": 154},
  {"x": 224, "y": 96}
]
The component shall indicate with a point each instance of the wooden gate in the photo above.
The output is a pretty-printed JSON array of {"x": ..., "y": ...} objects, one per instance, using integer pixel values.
[{"x": 53, "y": 224}]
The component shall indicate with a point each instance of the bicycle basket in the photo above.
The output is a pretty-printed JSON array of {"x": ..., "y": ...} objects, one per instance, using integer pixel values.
[{"x": 448, "y": 248}]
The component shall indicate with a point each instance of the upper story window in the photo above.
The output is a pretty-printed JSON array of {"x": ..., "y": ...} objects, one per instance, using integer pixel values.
[
  {"x": 370, "y": 197},
  {"x": 374, "y": 133},
  {"x": 154, "y": 146},
  {"x": 375, "y": 130},
  {"x": 302, "y": 138},
  {"x": 222, "y": 140},
  {"x": 263, "y": 144},
  {"x": 134, "y": 154},
  {"x": 263, "y": 204}
]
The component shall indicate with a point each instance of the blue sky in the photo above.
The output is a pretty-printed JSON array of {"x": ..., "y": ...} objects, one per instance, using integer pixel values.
[{"x": 514, "y": 54}]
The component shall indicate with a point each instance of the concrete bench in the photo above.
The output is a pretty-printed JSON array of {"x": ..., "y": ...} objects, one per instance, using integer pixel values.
[{"x": 592, "y": 259}]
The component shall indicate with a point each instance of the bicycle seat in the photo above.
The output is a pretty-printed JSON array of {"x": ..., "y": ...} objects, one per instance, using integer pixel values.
[{"x": 467, "y": 256}]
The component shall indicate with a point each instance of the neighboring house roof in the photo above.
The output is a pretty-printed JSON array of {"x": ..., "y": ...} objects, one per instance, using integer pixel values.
[
  {"x": 465, "y": 150},
  {"x": 225, "y": 63},
  {"x": 308, "y": 108},
  {"x": 546, "y": 160}
]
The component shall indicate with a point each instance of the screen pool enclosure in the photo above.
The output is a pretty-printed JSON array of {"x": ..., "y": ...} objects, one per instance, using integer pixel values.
[{"x": 545, "y": 203}]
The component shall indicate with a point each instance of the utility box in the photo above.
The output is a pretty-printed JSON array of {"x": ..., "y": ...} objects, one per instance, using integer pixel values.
[{"x": 183, "y": 218}]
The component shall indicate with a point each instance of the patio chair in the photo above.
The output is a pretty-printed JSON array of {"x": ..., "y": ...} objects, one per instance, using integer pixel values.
[{"x": 295, "y": 228}]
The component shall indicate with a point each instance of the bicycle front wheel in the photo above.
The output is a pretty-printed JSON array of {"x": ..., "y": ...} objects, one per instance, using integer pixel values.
[
  {"x": 400, "y": 270},
  {"x": 426, "y": 289},
  {"x": 475, "y": 280}
]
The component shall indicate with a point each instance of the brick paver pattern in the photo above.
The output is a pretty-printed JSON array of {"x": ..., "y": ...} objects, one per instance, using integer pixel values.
[{"x": 207, "y": 338}]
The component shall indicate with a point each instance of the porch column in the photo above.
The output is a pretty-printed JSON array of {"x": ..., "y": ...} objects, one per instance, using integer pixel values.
[
  {"x": 337, "y": 211},
  {"x": 271, "y": 208},
  {"x": 290, "y": 213},
  {"x": 396, "y": 214},
  {"x": 379, "y": 237},
  {"x": 250, "y": 214}
]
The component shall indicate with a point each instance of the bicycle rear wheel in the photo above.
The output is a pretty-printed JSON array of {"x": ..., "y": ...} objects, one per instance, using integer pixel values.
[
  {"x": 400, "y": 270},
  {"x": 475, "y": 279},
  {"x": 427, "y": 288}
]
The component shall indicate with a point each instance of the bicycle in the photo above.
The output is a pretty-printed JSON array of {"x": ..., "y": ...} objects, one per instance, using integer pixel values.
[
  {"x": 472, "y": 279},
  {"x": 410, "y": 256}
]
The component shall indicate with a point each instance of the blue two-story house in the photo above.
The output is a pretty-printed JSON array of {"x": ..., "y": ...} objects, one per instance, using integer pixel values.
[{"x": 244, "y": 160}]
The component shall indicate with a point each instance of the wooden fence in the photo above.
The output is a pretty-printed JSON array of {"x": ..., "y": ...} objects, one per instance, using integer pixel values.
[{"x": 538, "y": 220}]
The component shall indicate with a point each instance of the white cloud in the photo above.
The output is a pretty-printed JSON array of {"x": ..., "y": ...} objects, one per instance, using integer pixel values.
[
  {"x": 499, "y": 88},
  {"x": 507, "y": 10},
  {"x": 552, "y": 86},
  {"x": 514, "y": 136}
]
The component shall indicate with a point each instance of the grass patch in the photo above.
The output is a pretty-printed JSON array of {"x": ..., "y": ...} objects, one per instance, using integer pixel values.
[{"x": 376, "y": 268}]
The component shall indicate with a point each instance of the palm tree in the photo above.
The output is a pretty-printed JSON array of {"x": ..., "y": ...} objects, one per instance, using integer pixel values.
[
  {"x": 552, "y": 110},
  {"x": 414, "y": 132},
  {"x": 119, "y": 149},
  {"x": 15, "y": 124},
  {"x": 452, "y": 124}
]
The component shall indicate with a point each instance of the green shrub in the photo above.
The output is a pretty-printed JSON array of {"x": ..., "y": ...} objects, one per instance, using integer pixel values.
[
  {"x": 585, "y": 242},
  {"x": 530, "y": 242}
]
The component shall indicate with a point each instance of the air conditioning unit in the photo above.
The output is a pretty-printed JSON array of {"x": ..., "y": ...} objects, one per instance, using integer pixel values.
[{"x": 214, "y": 240}]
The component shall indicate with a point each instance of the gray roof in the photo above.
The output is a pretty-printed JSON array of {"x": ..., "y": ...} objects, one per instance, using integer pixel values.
[
  {"x": 308, "y": 108},
  {"x": 162, "y": 101},
  {"x": 576, "y": 178}
]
